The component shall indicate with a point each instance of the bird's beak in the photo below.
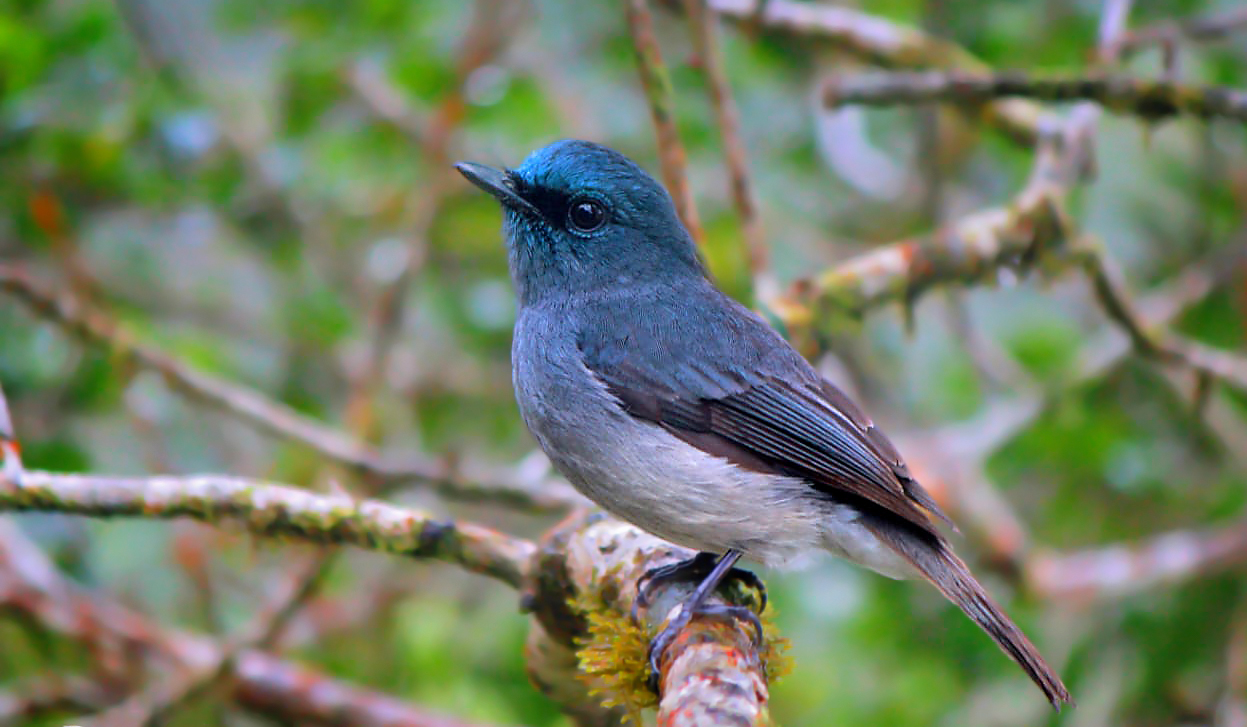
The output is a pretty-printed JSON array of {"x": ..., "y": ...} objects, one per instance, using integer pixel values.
[{"x": 496, "y": 182}]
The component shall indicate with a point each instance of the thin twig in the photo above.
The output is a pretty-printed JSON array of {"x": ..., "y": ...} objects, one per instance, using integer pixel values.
[
  {"x": 447, "y": 478},
  {"x": 884, "y": 43},
  {"x": 975, "y": 249},
  {"x": 704, "y": 27},
  {"x": 273, "y": 510},
  {"x": 34, "y": 699},
  {"x": 367, "y": 80},
  {"x": 262, "y": 683},
  {"x": 1199, "y": 29},
  {"x": 1151, "y": 100},
  {"x": 656, "y": 82},
  {"x": 155, "y": 703},
  {"x": 491, "y": 28},
  {"x": 954, "y": 457},
  {"x": 1163, "y": 346},
  {"x": 1120, "y": 570}
]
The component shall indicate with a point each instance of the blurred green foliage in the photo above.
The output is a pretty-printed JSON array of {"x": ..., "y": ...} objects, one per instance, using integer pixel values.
[{"x": 213, "y": 172}]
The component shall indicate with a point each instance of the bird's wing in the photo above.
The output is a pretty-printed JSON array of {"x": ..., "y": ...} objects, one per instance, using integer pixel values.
[{"x": 767, "y": 416}]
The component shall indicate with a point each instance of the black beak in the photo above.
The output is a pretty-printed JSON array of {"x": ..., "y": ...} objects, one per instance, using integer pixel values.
[{"x": 497, "y": 182}]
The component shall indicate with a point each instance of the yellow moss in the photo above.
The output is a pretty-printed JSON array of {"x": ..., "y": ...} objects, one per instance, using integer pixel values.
[{"x": 613, "y": 662}]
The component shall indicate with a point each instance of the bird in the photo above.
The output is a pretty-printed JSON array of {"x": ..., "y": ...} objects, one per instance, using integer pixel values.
[{"x": 676, "y": 408}]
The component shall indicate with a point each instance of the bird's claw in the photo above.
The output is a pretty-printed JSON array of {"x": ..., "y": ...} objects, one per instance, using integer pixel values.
[
  {"x": 664, "y": 639},
  {"x": 695, "y": 569}
]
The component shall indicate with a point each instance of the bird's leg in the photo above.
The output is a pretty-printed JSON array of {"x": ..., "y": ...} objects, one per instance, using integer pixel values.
[
  {"x": 696, "y": 603},
  {"x": 697, "y": 569}
]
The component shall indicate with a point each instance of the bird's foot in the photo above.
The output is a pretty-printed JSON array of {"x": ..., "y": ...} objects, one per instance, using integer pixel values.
[
  {"x": 708, "y": 572},
  {"x": 693, "y": 570},
  {"x": 668, "y": 635}
]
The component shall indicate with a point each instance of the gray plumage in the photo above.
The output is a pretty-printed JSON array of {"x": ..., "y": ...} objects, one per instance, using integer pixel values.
[{"x": 679, "y": 410}]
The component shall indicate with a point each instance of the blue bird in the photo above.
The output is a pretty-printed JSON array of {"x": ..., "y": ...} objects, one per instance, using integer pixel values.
[{"x": 679, "y": 410}]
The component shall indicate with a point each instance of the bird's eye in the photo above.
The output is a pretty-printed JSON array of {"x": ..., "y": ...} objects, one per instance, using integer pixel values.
[{"x": 586, "y": 215}]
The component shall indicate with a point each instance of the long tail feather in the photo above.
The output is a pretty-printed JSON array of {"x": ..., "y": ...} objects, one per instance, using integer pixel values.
[{"x": 937, "y": 562}]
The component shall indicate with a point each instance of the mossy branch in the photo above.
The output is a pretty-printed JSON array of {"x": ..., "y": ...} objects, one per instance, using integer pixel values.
[
  {"x": 272, "y": 510},
  {"x": 975, "y": 249},
  {"x": 582, "y": 590},
  {"x": 448, "y": 478},
  {"x": 1151, "y": 100}
]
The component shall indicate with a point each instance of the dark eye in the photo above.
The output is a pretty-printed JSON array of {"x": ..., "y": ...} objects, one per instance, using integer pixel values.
[{"x": 586, "y": 215}]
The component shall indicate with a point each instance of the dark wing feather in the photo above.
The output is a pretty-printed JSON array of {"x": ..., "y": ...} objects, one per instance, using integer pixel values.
[
  {"x": 775, "y": 426},
  {"x": 712, "y": 373}
]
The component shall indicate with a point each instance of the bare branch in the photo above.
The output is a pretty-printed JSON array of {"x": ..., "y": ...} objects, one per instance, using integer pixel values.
[
  {"x": 32, "y": 699},
  {"x": 1199, "y": 29},
  {"x": 656, "y": 82},
  {"x": 275, "y": 418},
  {"x": 884, "y": 43},
  {"x": 1123, "y": 569},
  {"x": 155, "y": 703},
  {"x": 271, "y": 510},
  {"x": 1151, "y": 100},
  {"x": 1162, "y": 346},
  {"x": 262, "y": 683},
  {"x": 975, "y": 249},
  {"x": 287, "y": 691},
  {"x": 370, "y": 85},
  {"x": 705, "y": 32}
]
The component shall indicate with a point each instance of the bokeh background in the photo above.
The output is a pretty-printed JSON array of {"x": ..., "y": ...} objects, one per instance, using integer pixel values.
[{"x": 263, "y": 191}]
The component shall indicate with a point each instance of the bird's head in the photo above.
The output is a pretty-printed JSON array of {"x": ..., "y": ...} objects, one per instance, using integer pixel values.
[{"x": 581, "y": 217}]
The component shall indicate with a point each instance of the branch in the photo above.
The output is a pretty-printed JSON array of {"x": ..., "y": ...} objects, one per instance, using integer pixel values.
[
  {"x": 36, "y": 699},
  {"x": 1169, "y": 33},
  {"x": 884, "y": 43},
  {"x": 297, "y": 695},
  {"x": 271, "y": 510},
  {"x": 1148, "y": 341},
  {"x": 490, "y": 29},
  {"x": 706, "y": 44},
  {"x": 155, "y": 703},
  {"x": 268, "y": 415},
  {"x": 951, "y": 460},
  {"x": 1120, "y": 570},
  {"x": 367, "y": 80},
  {"x": 974, "y": 249},
  {"x": 1148, "y": 99},
  {"x": 30, "y": 585},
  {"x": 661, "y": 97},
  {"x": 582, "y": 589}
]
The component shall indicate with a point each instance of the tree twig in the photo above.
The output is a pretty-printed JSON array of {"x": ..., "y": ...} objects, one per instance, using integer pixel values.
[
  {"x": 1199, "y": 29},
  {"x": 273, "y": 417},
  {"x": 273, "y": 510},
  {"x": 37, "y": 698},
  {"x": 1165, "y": 347},
  {"x": 704, "y": 27},
  {"x": 1119, "y": 570},
  {"x": 656, "y": 82},
  {"x": 159, "y": 700},
  {"x": 1151, "y": 100},
  {"x": 262, "y": 683},
  {"x": 974, "y": 249},
  {"x": 884, "y": 43}
]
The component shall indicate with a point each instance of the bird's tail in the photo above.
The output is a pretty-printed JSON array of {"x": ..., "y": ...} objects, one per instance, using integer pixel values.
[{"x": 937, "y": 562}]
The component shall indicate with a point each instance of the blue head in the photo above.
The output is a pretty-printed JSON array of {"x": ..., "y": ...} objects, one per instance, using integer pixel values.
[{"x": 580, "y": 217}]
